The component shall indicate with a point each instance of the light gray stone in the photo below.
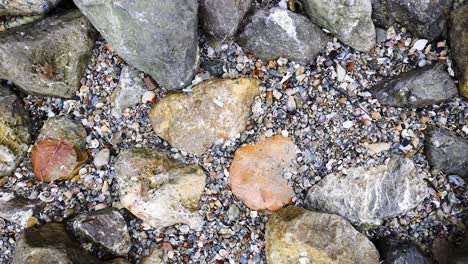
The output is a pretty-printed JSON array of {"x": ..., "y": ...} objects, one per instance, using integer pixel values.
[
  {"x": 17, "y": 209},
  {"x": 129, "y": 91},
  {"x": 26, "y": 7},
  {"x": 102, "y": 158}
]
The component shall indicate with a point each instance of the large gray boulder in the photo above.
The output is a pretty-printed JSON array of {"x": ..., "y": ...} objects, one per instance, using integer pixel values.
[
  {"x": 48, "y": 57},
  {"x": 274, "y": 33},
  {"x": 17, "y": 209},
  {"x": 26, "y": 7},
  {"x": 349, "y": 21},
  {"x": 370, "y": 195},
  {"x": 157, "y": 37},
  {"x": 417, "y": 88}
]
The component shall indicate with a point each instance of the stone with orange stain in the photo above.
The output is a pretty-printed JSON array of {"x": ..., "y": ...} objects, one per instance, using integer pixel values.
[{"x": 256, "y": 173}]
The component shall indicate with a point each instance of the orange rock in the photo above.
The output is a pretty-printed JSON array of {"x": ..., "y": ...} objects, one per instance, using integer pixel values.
[{"x": 256, "y": 173}]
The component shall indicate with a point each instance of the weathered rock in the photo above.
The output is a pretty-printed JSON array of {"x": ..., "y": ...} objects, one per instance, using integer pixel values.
[
  {"x": 17, "y": 209},
  {"x": 295, "y": 235},
  {"x": 458, "y": 36},
  {"x": 14, "y": 131},
  {"x": 216, "y": 111},
  {"x": 447, "y": 152},
  {"x": 26, "y": 7},
  {"x": 349, "y": 21},
  {"x": 154, "y": 258},
  {"x": 48, "y": 57},
  {"x": 158, "y": 189},
  {"x": 445, "y": 251},
  {"x": 370, "y": 195},
  {"x": 129, "y": 91},
  {"x": 221, "y": 18},
  {"x": 157, "y": 37},
  {"x": 396, "y": 251},
  {"x": 105, "y": 228},
  {"x": 274, "y": 33},
  {"x": 256, "y": 173},
  {"x": 424, "y": 18},
  {"x": 102, "y": 158},
  {"x": 60, "y": 149},
  {"x": 417, "y": 88}
]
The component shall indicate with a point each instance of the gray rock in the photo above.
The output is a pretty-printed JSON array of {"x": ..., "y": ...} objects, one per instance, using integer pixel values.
[
  {"x": 349, "y": 21},
  {"x": 447, "y": 152},
  {"x": 26, "y": 7},
  {"x": 105, "y": 228},
  {"x": 102, "y": 158},
  {"x": 17, "y": 209},
  {"x": 417, "y": 88},
  {"x": 48, "y": 57},
  {"x": 394, "y": 251},
  {"x": 158, "y": 37},
  {"x": 381, "y": 35},
  {"x": 221, "y": 18},
  {"x": 274, "y": 33},
  {"x": 129, "y": 91},
  {"x": 232, "y": 213},
  {"x": 458, "y": 39},
  {"x": 370, "y": 195}
]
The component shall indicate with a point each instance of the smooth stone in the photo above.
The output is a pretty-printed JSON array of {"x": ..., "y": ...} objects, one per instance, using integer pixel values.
[
  {"x": 380, "y": 35},
  {"x": 102, "y": 158},
  {"x": 377, "y": 147},
  {"x": 26, "y": 7},
  {"x": 128, "y": 92},
  {"x": 18, "y": 210},
  {"x": 458, "y": 37},
  {"x": 396, "y": 251}
]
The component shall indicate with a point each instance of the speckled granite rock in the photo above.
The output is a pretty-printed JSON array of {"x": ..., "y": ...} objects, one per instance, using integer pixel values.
[
  {"x": 458, "y": 36},
  {"x": 158, "y": 189},
  {"x": 129, "y": 91},
  {"x": 397, "y": 251},
  {"x": 48, "y": 57},
  {"x": 370, "y": 195},
  {"x": 17, "y": 209},
  {"x": 216, "y": 111},
  {"x": 296, "y": 235},
  {"x": 26, "y": 7}
]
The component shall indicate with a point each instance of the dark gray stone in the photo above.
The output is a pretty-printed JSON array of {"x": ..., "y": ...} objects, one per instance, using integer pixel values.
[
  {"x": 158, "y": 37},
  {"x": 417, "y": 88},
  {"x": 394, "y": 251},
  {"x": 17, "y": 209},
  {"x": 275, "y": 33},
  {"x": 26, "y": 7}
]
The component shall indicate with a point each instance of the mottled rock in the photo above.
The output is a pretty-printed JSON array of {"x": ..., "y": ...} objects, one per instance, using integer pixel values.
[
  {"x": 370, "y": 195},
  {"x": 458, "y": 37},
  {"x": 296, "y": 235},
  {"x": 417, "y": 88},
  {"x": 129, "y": 91},
  {"x": 60, "y": 149},
  {"x": 396, "y": 251},
  {"x": 216, "y": 111},
  {"x": 105, "y": 228},
  {"x": 154, "y": 258},
  {"x": 102, "y": 158},
  {"x": 26, "y": 7},
  {"x": 447, "y": 152},
  {"x": 349, "y": 21},
  {"x": 158, "y": 37},
  {"x": 222, "y": 18},
  {"x": 17, "y": 209},
  {"x": 158, "y": 189},
  {"x": 48, "y": 57},
  {"x": 14, "y": 131}
]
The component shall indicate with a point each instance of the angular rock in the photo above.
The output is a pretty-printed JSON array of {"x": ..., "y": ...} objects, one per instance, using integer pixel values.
[
  {"x": 458, "y": 37},
  {"x": 417, "y": 88},
  {"x": 157, "y": 37},
  {"x": 447, "y": 152},
  {"x": 129, "y": 91},
  {"x": 17, "y": 209},
  {"x": 276, "y": 32},
  {"x": 26, "y": 7},
  {"x": 296, "y": 235},
  {"x": 256, "y": 173},
  {"x": 105, "y": 228},
  {"x": 370, "y": 195},
  {"x": 349, "y": 21},
  {"x": 60, "y": 149},
  {"x": 396, "y": 251},
  {"x": 48, "y": 57},
  {"x": 14, "y": 131},
  {"x": 158, "y": 189},
  {"x": 221, "y": 18},
  {"x": 216, "y": 111}
]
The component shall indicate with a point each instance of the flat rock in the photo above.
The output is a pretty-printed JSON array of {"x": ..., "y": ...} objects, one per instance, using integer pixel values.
[
  {"x": 158, "y": 189},
  {"x": 14, "y": 131},
  {"x": 397, "y": 251},
  {"x": 129, "y": 91},
  {"x": 370, "y": 195},
  {"x": 157, "y": 37},
  {"x": 216, "y": 111},
  {"x": 458, "y": 37},
  {"x": 48, "y": 57},
  {"x": 417, "y": 88},
  {"x": 296, "y": 235},
  {"x": 222, "y": 18},
  {"x": 349, "y": 21},
  {"x": 26, "y": 7},
  {"x": 276, "y": 32},
  {"x": 60, "y": 149},
  {"x": 17, "y": 209},
  {"x": 256, "y": 173}
]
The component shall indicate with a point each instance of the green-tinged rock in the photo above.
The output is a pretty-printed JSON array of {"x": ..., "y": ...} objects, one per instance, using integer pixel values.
[
  {"x": 458, "y": 36},
  {"x": 26, "y": 7}
]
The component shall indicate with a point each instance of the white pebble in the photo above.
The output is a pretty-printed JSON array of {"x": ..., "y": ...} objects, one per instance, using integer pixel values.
[
  {"x": 148, "y": 96},
  {"x": 348, "y": 124},
  {"x": 102, "y": 158},
  {"x": 420, "y": 44}
]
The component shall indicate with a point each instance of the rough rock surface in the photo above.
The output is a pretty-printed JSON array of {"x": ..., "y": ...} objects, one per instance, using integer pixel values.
[
  {"x": 296, "y": 235},
  {"x": 349, "y": 21},
  {"x": 26, "y": 7},
  {"x": 274, "y": 33},
  {"x": 256, "y": 173},
  {"x": 370, "y": 195},
  {"x": 48, "y": 57},
  {"x": 158, "y": 189},
  {"x": 222, "y": 18},
  {"x": 396, "y": 251},
  {"x": 154, "y": 258},
  {"x": 17, "y": 209},
  {"x": 216, "y": 111},
  {"x": 129, "y": 91},
  {"x": 447, "y": 152},
  {"x": 458, "y": 36},
  {"x": 60, "y": 149},
  {"x": 157, "y": 37},
  {"x": 14, "y": 131},
  {"x": 417, "y": 88},
  {"x": 105, "y": 228}
]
